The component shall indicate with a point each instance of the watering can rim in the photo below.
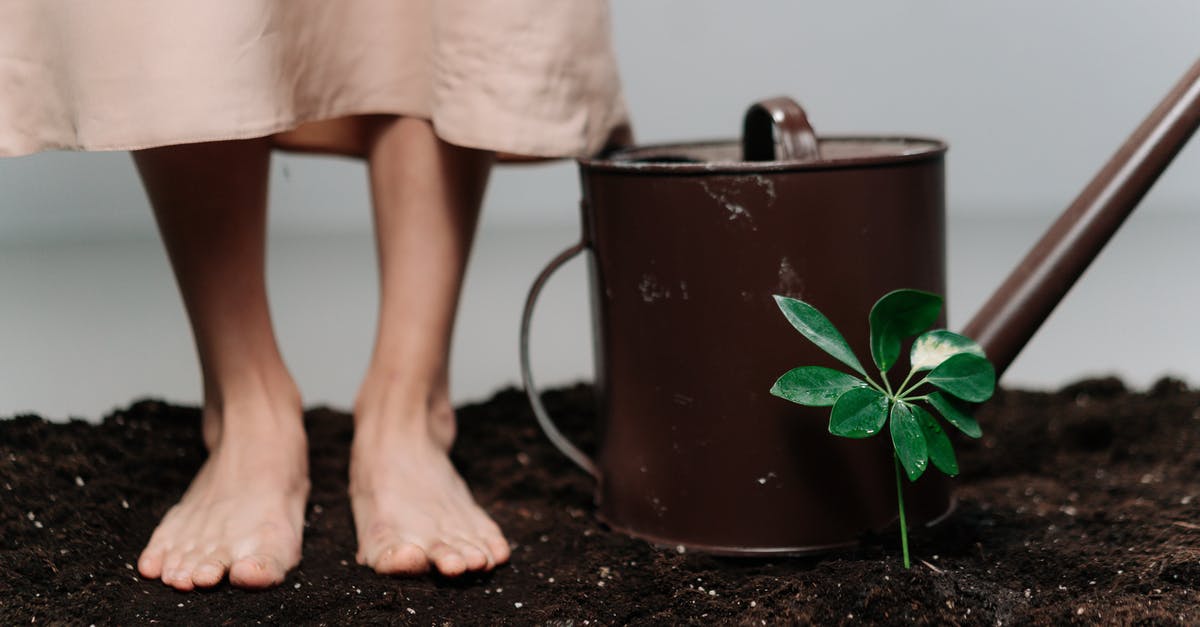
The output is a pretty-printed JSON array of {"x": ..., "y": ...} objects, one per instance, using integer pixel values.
[{"x": 623, "y": 159}]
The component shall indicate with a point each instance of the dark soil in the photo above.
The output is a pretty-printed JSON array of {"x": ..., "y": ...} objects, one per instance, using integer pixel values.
[{"x": 1076, "y": 507}]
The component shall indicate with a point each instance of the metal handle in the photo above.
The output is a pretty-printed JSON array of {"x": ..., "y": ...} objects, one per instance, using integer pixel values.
[
  {"x": 777, "y": 129},
  {"x": 559, "y": 440}
]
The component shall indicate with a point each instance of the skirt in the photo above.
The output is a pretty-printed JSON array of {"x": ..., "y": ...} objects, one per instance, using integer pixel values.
[{"x": 532, "y": 78}]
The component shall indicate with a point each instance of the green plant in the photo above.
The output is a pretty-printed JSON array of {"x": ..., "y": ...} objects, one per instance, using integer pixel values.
[{"x": 956, "y": 373}]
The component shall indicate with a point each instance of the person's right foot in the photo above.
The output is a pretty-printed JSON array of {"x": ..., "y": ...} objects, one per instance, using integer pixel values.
[
  {"x": 243, "y": 514},
  {"x": 412, "y": 510}
]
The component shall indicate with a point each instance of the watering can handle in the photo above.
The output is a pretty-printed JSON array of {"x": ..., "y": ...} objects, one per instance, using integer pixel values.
[
  {"x": 559, "y": 440},
  {"x": 777, "y": 129}
]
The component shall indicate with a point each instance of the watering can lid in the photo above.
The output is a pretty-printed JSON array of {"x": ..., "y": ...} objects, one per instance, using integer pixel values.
[{"x": 776, "y": 136}]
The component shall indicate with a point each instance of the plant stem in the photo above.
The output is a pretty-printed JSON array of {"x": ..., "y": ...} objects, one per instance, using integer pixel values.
[
  {"x": 871, "y": 382},
  {"x": 901, "y": 390},
  {"x": 902, "y": 394},
  {"x": 900, "y": 504},
  {"x": 886, "y": 384}
]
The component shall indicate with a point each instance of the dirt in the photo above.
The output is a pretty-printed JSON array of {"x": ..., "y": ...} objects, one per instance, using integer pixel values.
[{"x": 1079, "y": 506}]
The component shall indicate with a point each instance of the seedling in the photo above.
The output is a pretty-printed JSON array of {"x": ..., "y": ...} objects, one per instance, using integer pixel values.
[{"x": 954, "y": 366}]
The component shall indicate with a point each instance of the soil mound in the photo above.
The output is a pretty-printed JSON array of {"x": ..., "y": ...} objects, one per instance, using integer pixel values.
[{"x": 1080, "y": 506}]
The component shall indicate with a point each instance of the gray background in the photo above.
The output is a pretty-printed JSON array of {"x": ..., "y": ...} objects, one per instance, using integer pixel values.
[{"x": 1032, "y": 96}]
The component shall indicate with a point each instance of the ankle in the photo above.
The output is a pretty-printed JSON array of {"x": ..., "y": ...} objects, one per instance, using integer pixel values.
[
  {"x": 256, "y": 407},
  {"x": 391, "y": 416}
]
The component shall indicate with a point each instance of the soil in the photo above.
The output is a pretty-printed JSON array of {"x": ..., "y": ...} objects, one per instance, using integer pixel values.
[{"x": 1079, "y": 506}]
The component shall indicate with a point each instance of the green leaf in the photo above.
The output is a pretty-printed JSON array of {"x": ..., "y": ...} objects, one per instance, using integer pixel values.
[
  {"x": 859, "y": 413},
  {"x": 815, "y": 386},
  {"x": 955, "y": 414},
  {"x": 934, "y": 347},
  {"x": 966, "y": 376},
  {"x": 941, "y": 451},
  {"x": 819, "y": 330},
  {"x": 896, "y": 316},
  {"x": 908, "y": 439}
]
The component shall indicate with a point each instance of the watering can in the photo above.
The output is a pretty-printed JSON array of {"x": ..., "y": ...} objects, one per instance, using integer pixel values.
[{"x": 689, "y": 242}]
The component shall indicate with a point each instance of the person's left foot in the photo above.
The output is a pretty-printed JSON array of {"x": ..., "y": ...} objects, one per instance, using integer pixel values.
[{"x": 412, "y": 511}]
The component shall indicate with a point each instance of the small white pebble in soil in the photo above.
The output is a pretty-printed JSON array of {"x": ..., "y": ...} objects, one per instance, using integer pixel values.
[
  {"x": 1028, "y": 593},
  {"x": 410, "y": 610},
  {"x": 1079, "y": 611},
  {"x": 180, "y": 605},
  {"x": 518, "y": 605},
  {"x": 37, "y": 523},
  {"x": 679, "y": 549},
  {"x": 128, "y": 566},
  {"x": 712, "y": 593},
  {"x": 79, "y": 481},
  {"x": 1183, "y": 501},
  {"x": 30, "y": 516},
  {"x": 754, "y": 604},
  {"x": 599, "y": 584},
  {"x": 358, "y": 590},
  {"x": 543, "y": 538},
  {"x": 317, "y": 509},
  {"x": 550, "y": 580},
  {"x": 344, "y": 563},
  {"x": 523, "y": 459},
  {"x": 762, "y": 481},
  {"x": 124, "y": 504},
  {"x": 297, "y": 586}
]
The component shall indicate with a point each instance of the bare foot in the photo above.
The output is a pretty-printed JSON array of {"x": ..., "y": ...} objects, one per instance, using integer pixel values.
[
  {"x": 243, "y": 514},
  {"x": 412, "y": 510}
]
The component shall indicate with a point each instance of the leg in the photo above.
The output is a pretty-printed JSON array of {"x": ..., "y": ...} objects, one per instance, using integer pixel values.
[
  {"x": 243, "y": 514},
  {"x": 411, "y": 509}
]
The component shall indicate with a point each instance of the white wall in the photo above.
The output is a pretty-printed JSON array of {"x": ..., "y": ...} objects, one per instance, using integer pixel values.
[{"x": 1033, "y": 96}]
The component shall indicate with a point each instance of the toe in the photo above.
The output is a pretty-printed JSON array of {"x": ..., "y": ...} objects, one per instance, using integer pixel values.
[
  {"x": 170, "y": 568},
  {"x": 493, "y": 540},
  {"x": 500, "y": 549},
  {"x": 255, "y": 572},
  {"x": 402, "y": 559},
  {"x": 210, "y": 571},
  {"x": 150, "y": 563},
  {"x": 186, "y": 569},
  {"x": 179, "y": 578},
  {"x": 448, "y": 560},
  {"x": 474, "y": 557}
]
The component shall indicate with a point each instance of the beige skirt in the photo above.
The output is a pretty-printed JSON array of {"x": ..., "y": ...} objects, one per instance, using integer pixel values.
[{"x": 527, "y": 77}]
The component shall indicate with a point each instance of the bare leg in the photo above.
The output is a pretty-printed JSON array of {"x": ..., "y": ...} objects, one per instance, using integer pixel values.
[
  {"x": 411, "y": 509},
  {"x": 243, "y": 514}
]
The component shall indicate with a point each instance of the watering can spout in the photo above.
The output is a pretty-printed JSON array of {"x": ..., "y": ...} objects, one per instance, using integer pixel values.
[{"x": 1027, "y": 297}]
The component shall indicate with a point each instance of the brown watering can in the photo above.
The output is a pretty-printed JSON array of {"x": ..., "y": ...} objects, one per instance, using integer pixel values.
[{"x": 688, "y": 244}]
